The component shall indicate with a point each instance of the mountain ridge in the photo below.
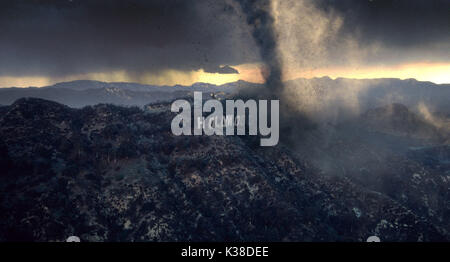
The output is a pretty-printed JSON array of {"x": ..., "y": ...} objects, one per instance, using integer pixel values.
[{"x": 110, "y": 173}]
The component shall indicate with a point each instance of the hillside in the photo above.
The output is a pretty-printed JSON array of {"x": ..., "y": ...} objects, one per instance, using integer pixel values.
[{"x": 108, "y": 173}]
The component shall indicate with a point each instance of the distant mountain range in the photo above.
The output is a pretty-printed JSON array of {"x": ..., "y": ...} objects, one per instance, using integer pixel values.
[
  {"x": 84, "y": 92},
  {"x": 359, "y": 95},
  {"x": 370, "y": 93}
]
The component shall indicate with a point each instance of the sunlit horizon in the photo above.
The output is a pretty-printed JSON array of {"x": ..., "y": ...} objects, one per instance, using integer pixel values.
[{"x": 438, "y": 73}]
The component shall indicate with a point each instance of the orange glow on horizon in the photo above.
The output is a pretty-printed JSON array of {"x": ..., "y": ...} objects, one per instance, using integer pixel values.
[
  {"x": 434, "y": 72},
  {"x": 438, "y": 73}
]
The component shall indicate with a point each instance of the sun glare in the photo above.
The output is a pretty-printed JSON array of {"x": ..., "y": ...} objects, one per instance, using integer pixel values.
[
  {"x": 433, "y": 72},
  {"x": 437, "y": 73}
]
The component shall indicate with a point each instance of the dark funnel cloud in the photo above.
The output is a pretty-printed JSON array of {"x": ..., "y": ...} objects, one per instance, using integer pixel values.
[
  {"x": 58, "y": 38},
  {"x": 261, "y": 21},
  {"x": 293, "y": 123}
]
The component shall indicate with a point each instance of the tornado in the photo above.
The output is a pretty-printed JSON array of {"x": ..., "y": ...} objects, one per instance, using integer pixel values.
[{"x": 261, "y": 21}]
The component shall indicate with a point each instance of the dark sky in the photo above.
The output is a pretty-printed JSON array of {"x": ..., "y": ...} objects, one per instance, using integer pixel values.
[
  {"x": 69, "y": 37},
  {"x": 421, "y": 26},
  {"x": 57, "y": 38},
  {"x": 394, "y": 22}
]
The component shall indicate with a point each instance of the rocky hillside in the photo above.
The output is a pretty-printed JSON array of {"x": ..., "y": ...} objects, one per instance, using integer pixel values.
[
  {"x": 390, "y": 150},
  {"x": 398, "y": 120},
  {"x": 108, "y": 173}
]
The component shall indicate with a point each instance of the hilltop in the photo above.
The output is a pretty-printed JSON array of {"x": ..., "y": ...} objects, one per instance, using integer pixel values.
[{"x": 109, "y": 173}]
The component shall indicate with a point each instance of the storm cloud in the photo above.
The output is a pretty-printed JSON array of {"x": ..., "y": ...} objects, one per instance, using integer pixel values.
[
  {"x": 394, "y": 22},
  {"x": 222, "y": 70},
  {"x": 57, "y": 38},
  {"x": 400, "y": 30}
]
